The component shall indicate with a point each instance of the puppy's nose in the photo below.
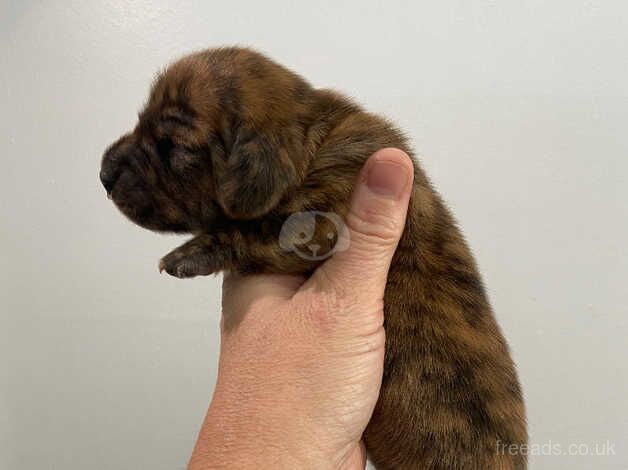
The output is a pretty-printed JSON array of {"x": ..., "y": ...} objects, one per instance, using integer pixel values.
[
  {"x": 112, "y": 161},
  {"x": 108, "y": 179}
]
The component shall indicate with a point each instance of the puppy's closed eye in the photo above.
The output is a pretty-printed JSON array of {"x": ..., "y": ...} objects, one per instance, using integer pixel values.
[
  {"x": 164, "y": 146},
  {"x": 184, "y": 159}
]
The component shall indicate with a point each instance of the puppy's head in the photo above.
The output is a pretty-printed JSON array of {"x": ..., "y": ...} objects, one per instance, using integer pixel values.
[{"x": 220, "y": 137}]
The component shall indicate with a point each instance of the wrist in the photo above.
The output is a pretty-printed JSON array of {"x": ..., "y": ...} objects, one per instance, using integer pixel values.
[{"x": 235, "y": 435}]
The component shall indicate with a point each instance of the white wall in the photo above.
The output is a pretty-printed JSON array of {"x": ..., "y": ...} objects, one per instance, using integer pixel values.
[{"x": 520, "y": 110}]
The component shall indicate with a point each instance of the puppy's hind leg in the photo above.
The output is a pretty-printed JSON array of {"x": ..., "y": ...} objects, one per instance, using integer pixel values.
[{"x": 202, "y": 255}]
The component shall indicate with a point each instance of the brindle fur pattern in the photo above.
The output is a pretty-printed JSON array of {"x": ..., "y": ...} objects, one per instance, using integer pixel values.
[{"x": 228, "y": 146}]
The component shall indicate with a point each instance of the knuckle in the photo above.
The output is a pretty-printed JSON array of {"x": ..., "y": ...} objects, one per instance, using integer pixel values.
[
  {"x": 375, "y": 341},
  {"x": 375, "y": 225}
]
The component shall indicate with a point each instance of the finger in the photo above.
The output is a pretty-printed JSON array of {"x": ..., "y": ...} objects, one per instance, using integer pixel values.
[{"x": 375, "y": 222}]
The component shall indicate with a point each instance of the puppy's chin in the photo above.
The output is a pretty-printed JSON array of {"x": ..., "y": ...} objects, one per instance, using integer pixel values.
[
  {"x": 146, "y": 217},
  {"x": 137, "y": 203}
]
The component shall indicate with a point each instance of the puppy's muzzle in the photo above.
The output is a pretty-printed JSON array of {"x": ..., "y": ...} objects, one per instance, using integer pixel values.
[
  {"x": 112, "y": 162},
  {"x": 108, "y": 179}
]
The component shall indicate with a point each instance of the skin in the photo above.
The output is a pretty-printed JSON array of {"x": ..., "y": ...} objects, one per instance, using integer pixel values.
[{"x": 300, "y": 370}]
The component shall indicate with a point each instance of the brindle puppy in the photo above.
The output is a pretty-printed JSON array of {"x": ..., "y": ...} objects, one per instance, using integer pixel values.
[{"x": 229, "y": 146}]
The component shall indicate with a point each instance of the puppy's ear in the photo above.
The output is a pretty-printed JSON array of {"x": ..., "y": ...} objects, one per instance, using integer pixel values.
[{"x": 257, "y": 172}]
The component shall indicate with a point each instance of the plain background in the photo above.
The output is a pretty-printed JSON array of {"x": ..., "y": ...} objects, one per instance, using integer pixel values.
[{"x": 519, "y": 111}]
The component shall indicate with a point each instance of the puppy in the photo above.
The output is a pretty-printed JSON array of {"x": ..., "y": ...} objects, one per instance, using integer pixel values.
[{"x": 229, "y": 147}]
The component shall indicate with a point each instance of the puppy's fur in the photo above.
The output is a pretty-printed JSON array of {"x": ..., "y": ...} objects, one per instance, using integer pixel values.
[{"x": 229, "y": 145}]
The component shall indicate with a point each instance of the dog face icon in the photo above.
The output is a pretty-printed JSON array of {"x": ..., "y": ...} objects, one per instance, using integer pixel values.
[{"x": 314, "y": 235}]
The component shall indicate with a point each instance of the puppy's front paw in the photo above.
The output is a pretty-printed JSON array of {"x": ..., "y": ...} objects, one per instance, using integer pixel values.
[
  {"x": 198, "y": 257},
  {"x": 185, "y": 266}
]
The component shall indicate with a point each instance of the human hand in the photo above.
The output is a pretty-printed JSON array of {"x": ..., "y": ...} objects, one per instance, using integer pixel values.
[{"x": 301, "y": 361}]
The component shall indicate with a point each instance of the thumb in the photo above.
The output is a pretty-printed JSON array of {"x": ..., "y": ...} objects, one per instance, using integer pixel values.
[{"x": 375, "y": 222}]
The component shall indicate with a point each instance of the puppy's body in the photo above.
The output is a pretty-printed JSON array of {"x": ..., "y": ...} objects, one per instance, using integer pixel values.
[{"x": 230, "y": 145}]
